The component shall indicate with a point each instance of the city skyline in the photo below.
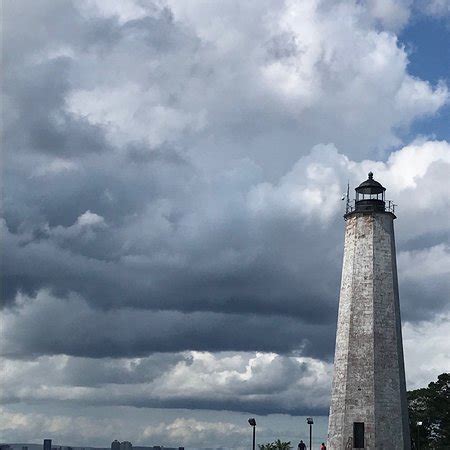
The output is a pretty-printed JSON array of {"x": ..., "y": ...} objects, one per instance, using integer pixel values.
[
  {"x": 51, "y": 445},
  {"x": 172, "y": 217}
]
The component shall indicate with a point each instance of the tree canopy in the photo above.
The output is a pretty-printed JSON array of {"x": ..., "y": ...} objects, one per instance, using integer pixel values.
[
  {"x": 431, "y": 407},
  {"x": 276, "y": 445}
]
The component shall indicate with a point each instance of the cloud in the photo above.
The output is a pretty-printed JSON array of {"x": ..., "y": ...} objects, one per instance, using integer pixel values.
[
  {"x": 238, "y": 381},
  {"x": 180, "y": 293},
  {"x": 435, "y": 8},
  {"x": 174, "y": 73},
  {"x": 130, "y": 111},
  {"x": 425, "y": 278},
  {"x": 426, "y": 351},
  {"x": 225, "y": 244},
  {"x": 78, "y": 329},
  {"x": 310, "y": 77},
  {"x": 391, "y": 14},
  {"x": 90, "y": 219},
  {"x": 193, "y": 431},
  {"x": 55, "y": 166},
  {"x": 242, "y": 381}
]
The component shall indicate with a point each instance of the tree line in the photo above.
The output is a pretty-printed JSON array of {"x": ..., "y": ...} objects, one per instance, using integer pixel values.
[{"x": 429, "y": 415}]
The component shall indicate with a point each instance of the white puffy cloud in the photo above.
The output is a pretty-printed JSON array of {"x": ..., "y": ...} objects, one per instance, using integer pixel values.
[
  {"x": 235, "y": 381},
  {"x": 89, "y": 219},
  {"x": 195, "y": 432},
  {"x": 427, "y": 351},
  {"x": 318, "y": 69},
  {"x": 392, "y": 14},
  {"x": 131, "y": 113},
  {"x": 426, "y": 263}
]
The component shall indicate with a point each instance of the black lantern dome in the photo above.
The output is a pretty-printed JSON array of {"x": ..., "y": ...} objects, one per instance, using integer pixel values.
[{"x": 370, "y": 196}]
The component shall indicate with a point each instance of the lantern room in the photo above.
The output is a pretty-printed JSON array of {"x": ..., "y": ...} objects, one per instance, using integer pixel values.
[{"x": 370, "y": 196}]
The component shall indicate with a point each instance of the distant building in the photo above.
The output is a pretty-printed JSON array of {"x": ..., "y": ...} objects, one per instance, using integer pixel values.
[
  {"x": 115, "y": 445},
  {"x": 125, "y": 445},
  {"x": 47, "y": 444},
  {"x": 24, "y": 447}
]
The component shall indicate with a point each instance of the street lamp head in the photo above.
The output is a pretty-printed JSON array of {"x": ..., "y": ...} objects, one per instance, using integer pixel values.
[
  {"x": 252, "y": 422},
  {"x": 309, "y": 421},
  {"x": 419, "y": 424}
]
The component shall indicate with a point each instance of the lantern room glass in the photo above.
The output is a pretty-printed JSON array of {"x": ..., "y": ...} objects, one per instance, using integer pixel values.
[{"x": 377, "y": 196}]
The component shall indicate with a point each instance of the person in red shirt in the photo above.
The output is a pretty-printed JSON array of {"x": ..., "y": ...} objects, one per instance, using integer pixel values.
[{"x": 323, "y": 446}]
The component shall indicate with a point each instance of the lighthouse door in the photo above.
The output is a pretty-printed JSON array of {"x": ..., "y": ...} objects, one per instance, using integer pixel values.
[{"x": 358, "y": 434}]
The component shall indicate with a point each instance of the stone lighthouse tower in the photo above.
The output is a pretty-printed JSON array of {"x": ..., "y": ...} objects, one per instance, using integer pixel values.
[{"x": 368, "y": 404}]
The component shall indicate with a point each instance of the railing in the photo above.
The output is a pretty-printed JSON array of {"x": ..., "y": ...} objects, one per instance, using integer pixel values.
[
  {"x": 350, "y": 206},
  {"x": 388, "y": 207}
]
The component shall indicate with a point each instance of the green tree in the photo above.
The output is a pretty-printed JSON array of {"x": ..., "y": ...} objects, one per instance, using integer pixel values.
[
  {"x": 431, "y": 406},
  {"x": 282, "y": 445},
  {"x": 277, "y": 445},
  {"x": 268, "y": 446}
]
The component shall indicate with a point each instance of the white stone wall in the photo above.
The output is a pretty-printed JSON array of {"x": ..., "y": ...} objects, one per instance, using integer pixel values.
[{"x": 368, "y": 384}]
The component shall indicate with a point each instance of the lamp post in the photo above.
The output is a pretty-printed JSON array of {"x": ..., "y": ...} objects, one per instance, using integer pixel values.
[
  {"x": 310, "y": 422},
  {"x": 419, "y": 424},
  {"x": 252, "y": 423}
]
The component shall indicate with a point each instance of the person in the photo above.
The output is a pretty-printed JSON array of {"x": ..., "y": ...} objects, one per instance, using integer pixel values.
[
  {"x": 323, "y": 446},
  {"x": 301, "y": 445}
]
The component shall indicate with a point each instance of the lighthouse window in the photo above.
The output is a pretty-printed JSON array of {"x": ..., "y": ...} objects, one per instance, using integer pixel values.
[{"x": 358, "y": 434}]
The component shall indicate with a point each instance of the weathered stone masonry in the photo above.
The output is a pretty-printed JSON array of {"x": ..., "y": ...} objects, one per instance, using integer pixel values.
[{"x": 369, "y": 379}]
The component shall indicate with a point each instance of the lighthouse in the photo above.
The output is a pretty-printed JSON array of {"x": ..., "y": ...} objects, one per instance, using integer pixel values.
[{"x": 368, "y": 403}]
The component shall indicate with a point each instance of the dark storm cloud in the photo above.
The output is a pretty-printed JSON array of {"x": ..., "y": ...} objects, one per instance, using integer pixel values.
[
  {"x": 264, "y": 406},
  {"x": 424, "y": 296},
  {"x": 92, "y": 262},
  {"x": 88, "y": 372},
  {"x": 425, "y": 284},
  {"x": 41, "y": 71},
  {"x": 79, "y": 330},
  {"x": 39, "y": 123}
]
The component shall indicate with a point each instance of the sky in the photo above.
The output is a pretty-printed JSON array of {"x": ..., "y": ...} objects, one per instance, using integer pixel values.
[{"x": 172, "y": 227}]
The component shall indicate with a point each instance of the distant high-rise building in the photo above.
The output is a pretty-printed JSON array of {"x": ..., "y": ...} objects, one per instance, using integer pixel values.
[
  {"x": 47, "y": 444},
  {"x": 115, "y": 445}
]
